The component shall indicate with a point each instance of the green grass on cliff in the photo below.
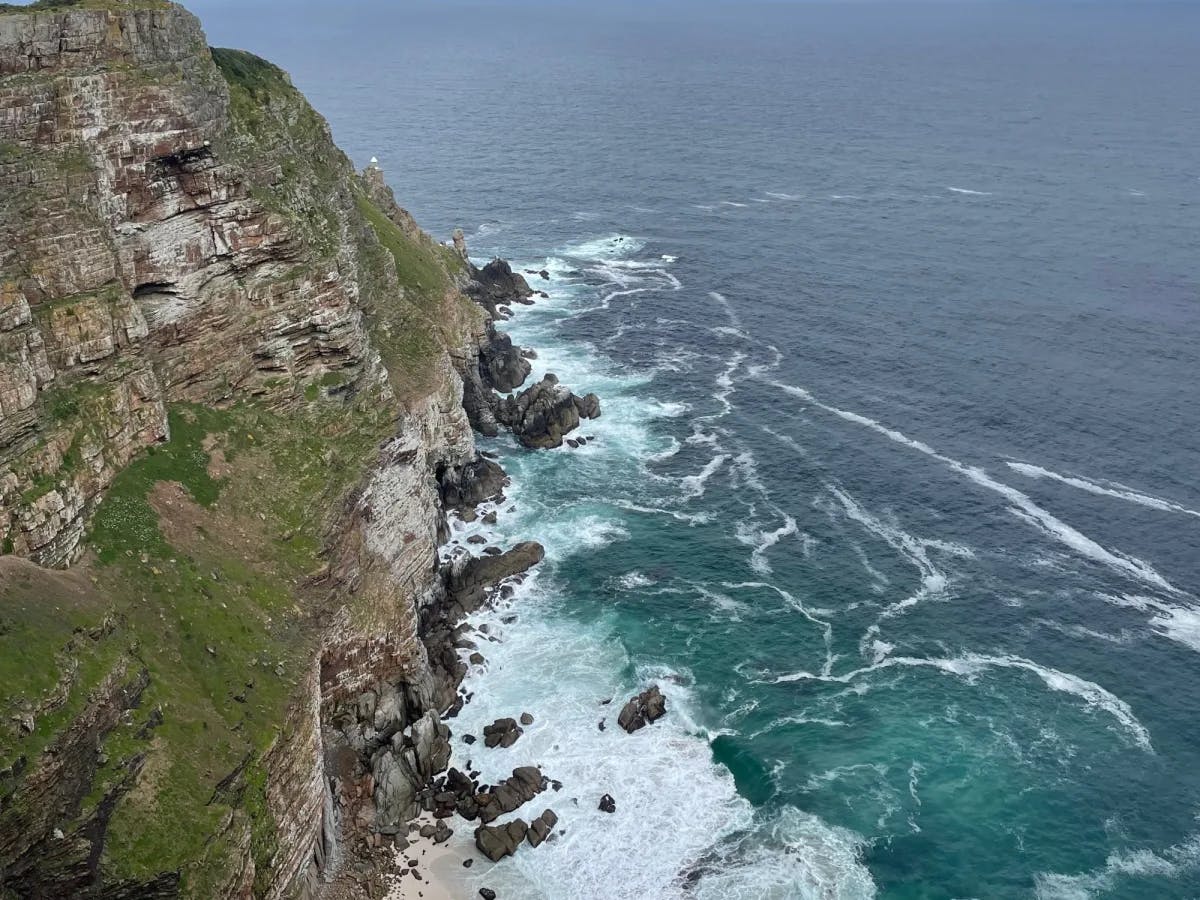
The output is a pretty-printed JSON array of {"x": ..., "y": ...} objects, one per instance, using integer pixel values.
[
  {"x": 57, "y": 5},
  {"x": 212, "y": 579},
  {"x": 204, "y": 552}
]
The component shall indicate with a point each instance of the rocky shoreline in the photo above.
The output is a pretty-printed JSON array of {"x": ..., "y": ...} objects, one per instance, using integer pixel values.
[{"x": 401, "y": 789}]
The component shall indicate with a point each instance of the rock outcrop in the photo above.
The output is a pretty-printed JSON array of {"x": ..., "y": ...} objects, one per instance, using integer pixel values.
[
  {"x": 642, "y": 709},
  {"x": 496, "y": 285},
  {"x": 542, "y": 415}
]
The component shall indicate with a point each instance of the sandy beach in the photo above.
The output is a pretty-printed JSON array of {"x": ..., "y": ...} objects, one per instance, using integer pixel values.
[{"x": 437, "y": 874}]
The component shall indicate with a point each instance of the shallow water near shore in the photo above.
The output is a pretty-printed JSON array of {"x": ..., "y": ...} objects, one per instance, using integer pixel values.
[{"x": 896, "y": 491}]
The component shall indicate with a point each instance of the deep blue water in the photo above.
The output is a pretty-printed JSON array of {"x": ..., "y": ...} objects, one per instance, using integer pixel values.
[{"x": 894, "y": 310}]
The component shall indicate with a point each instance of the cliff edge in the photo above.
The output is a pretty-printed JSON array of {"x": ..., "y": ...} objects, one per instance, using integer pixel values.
[{"x": 237, "y": 389}]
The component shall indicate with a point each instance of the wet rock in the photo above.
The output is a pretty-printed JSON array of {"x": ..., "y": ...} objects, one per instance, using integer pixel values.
[
  {"x": 541, "y": 828},
  {"x": 501, "y": 364},
  {"x": 497, "y": 284},
  {"x": 476, "y": 659},
  {"x": 608, "y": 804},
  {"x": 498, "y": 841},
  {"x": 525, "y": 784},
  {"x": 542, "y": 414},
  {"x": 442, "y": 832},
  {"x": 588, "y": 406},
  {"x": 501, "y": 733},
  {"x": 642, "y": 709},
  {"x": 469, "y": 739},
  {"x": 487, "y": 894},
  {"x": 477, "y": 539},
  {"x": 469, "y": 579},
  {"x": 526, "y": 719}
]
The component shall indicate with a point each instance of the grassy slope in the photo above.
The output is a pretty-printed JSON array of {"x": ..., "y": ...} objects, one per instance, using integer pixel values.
[{"x": 202, "y": 548}]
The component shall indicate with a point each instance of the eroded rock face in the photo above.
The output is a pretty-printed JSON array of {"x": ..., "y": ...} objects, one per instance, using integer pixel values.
[
  {"x": 406, "y": 766},
  {"x": 136, "y": 265}
]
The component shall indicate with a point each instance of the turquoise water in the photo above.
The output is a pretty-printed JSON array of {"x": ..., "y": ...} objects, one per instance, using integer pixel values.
[{"x": 893, "y": 313}]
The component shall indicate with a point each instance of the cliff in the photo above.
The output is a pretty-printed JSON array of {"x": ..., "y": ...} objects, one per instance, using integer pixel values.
[{"x": 237, "y": 385}]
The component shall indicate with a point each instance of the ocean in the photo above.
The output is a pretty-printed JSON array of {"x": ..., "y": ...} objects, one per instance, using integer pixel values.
[{"x": 894, "y": 313}]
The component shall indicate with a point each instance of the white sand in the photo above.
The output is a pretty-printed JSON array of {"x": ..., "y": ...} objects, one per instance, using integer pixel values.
[{"x": 440, "y": 867}]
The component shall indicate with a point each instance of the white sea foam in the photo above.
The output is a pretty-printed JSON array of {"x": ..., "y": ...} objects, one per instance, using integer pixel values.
[
  {"x": 1103, "y": 489},
  {"x": 724, "y": 303},
  {"x": 633, "y": 580},
  {"x": 693, "y": 485},
  {"x": 971, "y": 665},
  {"x": 1140, "y": 864},
  {"x": 761, "y": 541},
  {"x": 778, "y": 195},
  {"x": 607, "y": 247},
  {"x": 914, "y": 550},
  {"x": 958, "y": 190},
  {"x": 585, "y": 666},
  {"x": 700, "y": 518},
  {"x": 1021, "y": 505},
  {"x": 733, "y": 203},
  {"x": 795, "y": 856},
  {"x": 1178, "y": 623}
]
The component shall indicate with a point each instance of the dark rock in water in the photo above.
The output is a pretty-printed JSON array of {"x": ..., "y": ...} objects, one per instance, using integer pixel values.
[
  {"x": 427, "y": 831},
  {"x": 525, "y": 784},
  {"x": 606, "y": 702},
  {"x": 442, "y": 833},
  {"x": 476, "y": 659},
  {"x": 557, "y": 785},
  {"x": 490, "y": 518},
  {"x": 487, "y": 894},
  {"x": 470, "y": 578},
  {"x": 501, "y": 733},
  {"x": 502, "y": 365},
  {"x": 588, "y": 406},
  {"x": 508, "y": 620},
  {"x": 494, "y": 842},
  {"x": 601, "y": 726},
  {"x": 526, "y": 719},
  {"x": 467, "y": 863},
  {"x": 469, "y": 738},
  {"x": 543, "y": 295},
  {"x": 608, "y": 804},
  {"x": 529, "y": 353},
  {"x": 541, "y": 827},
  {"x": 573, "y": 444},
  {"x": 545, "y": 275},
  {"x": 648, "y": 706},
  {"x": 542, "y": 414},
  {"x": 492, "y": 551},
  {"x": 496, "y": 284},
  {"x": 477, "y": 539}
]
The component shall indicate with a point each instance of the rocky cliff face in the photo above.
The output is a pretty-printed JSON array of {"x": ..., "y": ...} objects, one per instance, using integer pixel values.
[{"x": 236, "y": 383}]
